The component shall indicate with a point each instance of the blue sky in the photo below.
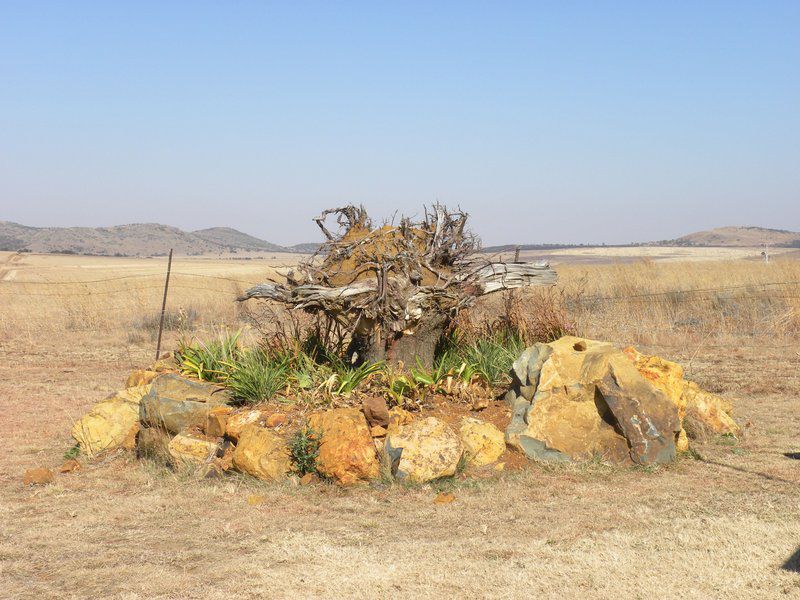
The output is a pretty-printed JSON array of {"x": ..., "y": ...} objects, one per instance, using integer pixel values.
[{"x": 547, "y": 121}]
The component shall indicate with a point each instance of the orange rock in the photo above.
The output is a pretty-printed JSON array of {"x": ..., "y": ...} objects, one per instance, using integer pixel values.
[
  {"x": 346, "y": 451},
  {"x": 277, "y": 420},
  {"x": 216, "y": 420},
  {"x": 69, "y": 466},
  {"x": 237, "y": 421},
  {"x": 309, "y": 478},
  {"x": 38, "y": 476},
  {"x": 444, "y": 498},
  {"x": 378, "y": 431}
]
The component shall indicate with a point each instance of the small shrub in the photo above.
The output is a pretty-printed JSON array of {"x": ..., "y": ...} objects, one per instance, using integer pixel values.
[
  {"x": 212, "y": 361},
  {"x": 304, "y": 450},
  {"x": 73, "y": 452},
  {"x": 257, "y": 376}
]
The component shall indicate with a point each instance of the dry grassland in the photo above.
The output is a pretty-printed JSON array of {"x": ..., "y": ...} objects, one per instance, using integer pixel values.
[{"x": 725, "y": 524}]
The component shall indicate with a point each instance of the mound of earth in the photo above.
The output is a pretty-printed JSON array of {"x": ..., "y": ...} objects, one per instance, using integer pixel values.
[{"x": 574, "y": 399}]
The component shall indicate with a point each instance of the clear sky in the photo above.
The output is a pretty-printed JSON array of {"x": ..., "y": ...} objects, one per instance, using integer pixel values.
[{"x": 547, "y": 121}]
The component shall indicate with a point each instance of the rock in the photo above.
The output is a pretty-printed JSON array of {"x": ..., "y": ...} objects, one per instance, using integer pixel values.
[
  {"x": 152, "y": 443},
  {"x": 309, "y": 478},
  {"x": 37, "y": 476},
  {"x": 238, "y": 420},
  {"x": 176, "y": 403},
  {"x": 668, "y": 377},
  {"x": 480, "y": 404},
  {"x": 712, "y": 411},
  {"x": 140, "y": 377},
  {"x": 707, "y": 411},
  {"x": 262, "y": 453},
  {"x": 398, "y": 416},
  {"x": 483, "y": 442},
  {"x": 346, "y": 451},
  {"x": 191, "y": 449},
  {"x": 647, "y": 417},
  {"x": 589, "y": 401},
  {"x": 216, "y": 421},
  {"x": 376, "y": 411},
  {"x": 444, "y": 498},
  {"x": 69, "y": 466},
  {"x": 111, "y": 423},
  {"x": 277, "y": 419},
  {"x": 165, "y": 363},
  {"x": 377, "y": 431},
  {"x": 423, "y": 450}
]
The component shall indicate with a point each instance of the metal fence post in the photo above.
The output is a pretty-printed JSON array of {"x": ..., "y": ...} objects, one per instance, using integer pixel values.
[{"x": 163, "y": 305}]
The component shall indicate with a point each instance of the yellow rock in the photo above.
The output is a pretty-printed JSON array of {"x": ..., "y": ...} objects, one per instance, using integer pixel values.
[
  {"x": 664, "y": 374},
  {"x": 712, "y": 410},
  {"x": 423, "y": 450},
  {"x": 346, "y": 451},
  {"x": 140, "y": 377},
  {"x": 110, "y": 424},
  {"x": 579, "y": 399},
  {"x": 262, "y": 453},
  {"x": 483, "y": 442},
  {"x": 235, "y": 422},
  {"x": 186, "y": 448},
  {"x": 217, "y": 420}
]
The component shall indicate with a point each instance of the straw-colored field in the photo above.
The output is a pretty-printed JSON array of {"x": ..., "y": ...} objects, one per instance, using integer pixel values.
[{"x": 726, "y": 524}]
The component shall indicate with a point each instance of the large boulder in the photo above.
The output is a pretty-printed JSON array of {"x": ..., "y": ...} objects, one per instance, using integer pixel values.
[
  {"x": 423, "y": 450},
  {"x": 483, "y": 442},
  {"x": 668, "y": 377},
  {"x": 707, "y": 411},
  {"x": 346, "y": 451},
  {"x": 576, "y": 399},
  {"x": 110, "y": 424},
  {"x": 262, "y": 453},
  {"x": 176, "y": 403}
]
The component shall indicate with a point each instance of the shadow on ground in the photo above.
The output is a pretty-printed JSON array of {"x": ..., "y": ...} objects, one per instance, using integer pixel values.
[{"x": 793, "y": 562}]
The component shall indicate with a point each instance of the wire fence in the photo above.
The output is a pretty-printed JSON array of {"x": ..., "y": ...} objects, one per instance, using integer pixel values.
[{"x": 65, "y": 291}]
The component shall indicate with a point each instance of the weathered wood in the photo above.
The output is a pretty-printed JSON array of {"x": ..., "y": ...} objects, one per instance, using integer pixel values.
[
  {"x": 492, "y": 277},
  {"x": 396, "y": 287}
]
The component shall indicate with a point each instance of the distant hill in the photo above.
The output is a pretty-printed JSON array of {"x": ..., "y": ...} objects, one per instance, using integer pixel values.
[
  {"x": 234, "y": 239},
  {"x": 739, "y": 236},
  {"x": 140, "y": 239}
]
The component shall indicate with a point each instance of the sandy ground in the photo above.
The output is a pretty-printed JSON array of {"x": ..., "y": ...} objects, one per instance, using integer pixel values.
[{"x": 723, "y": 526}]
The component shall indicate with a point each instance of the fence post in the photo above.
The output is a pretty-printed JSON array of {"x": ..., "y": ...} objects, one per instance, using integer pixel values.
[{"x": 163, "y": 305}]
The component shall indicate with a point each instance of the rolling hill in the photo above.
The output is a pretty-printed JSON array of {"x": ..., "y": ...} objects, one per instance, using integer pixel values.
[
  {"x": 140, "y": 239},
  {"x": 739, "y": 236}
]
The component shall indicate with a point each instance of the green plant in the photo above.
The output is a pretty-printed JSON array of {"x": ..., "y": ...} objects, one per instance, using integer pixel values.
[
  {"x": 304, "y": 450},
  {"x": 346, "y": 379},
  {"x": 257, "y": 376},
  {"x": 73, "y": 452},
  {"x": 212, "y": 361}
]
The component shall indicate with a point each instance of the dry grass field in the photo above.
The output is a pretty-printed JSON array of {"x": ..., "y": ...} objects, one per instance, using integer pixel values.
[{"x": 725, "y": 523}]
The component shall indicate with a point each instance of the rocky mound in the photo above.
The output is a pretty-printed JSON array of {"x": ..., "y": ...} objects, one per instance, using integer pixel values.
[
  {"x": 571, "y": 400},
  {"x": 577, "y": 399}
]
